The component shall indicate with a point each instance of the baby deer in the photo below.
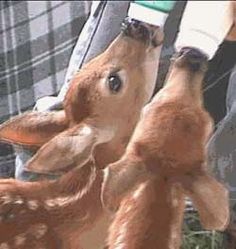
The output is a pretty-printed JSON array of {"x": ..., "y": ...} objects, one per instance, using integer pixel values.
[
  {"x": 165, "y": 161},
  {"x": 101, "y": 109}
]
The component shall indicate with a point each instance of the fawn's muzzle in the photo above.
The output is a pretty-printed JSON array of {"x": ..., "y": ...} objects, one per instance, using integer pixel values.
[
  {"x": 141, "y": 31},
  {"x": 191, "y": 58}
]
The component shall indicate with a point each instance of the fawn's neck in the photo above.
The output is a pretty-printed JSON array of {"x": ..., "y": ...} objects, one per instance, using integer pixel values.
[
  {"x": 185, "y": 85},
  {"x": 151, "y": 217},
  {"x": 75, "y": 185},
  {"x": 67, "y": 201}
]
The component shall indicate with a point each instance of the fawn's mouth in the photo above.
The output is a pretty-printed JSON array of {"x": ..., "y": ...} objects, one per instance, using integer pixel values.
[
  {"x": 146, "y": 33},
  {"x": 192, "y": 58}
]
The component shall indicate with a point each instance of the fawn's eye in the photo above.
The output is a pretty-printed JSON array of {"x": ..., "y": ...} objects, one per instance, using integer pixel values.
[{"x": 114, "y": 83}]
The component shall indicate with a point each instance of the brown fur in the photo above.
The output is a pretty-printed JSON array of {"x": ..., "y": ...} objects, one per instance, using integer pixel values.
[
  {"x": 165, "y": 161},
  {"x": 94, "y": 132}
]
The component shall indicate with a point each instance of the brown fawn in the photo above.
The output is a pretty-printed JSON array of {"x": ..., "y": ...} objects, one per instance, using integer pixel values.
[
  {"x": 165, "y": 161},
  {"x": 101, "y": 109}
]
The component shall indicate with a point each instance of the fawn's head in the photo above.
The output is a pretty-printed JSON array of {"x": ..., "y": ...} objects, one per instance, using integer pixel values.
[
  {"x": 116, "y": 84},
  {"x": 185, "y": 76},
  {"x": 104, "y": 99}
]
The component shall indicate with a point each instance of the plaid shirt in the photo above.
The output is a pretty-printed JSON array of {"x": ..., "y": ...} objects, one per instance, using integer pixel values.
[{"x": 36, "y": 41}]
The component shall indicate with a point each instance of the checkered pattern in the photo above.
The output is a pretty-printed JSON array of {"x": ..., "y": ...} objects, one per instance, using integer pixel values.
[{"x": 36, "y": 41}]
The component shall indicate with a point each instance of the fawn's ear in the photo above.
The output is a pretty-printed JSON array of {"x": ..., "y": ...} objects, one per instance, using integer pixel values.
[
  {"x": 210, "y": 198},
  {"x": 120, "y": 178},
  {"x": 33, "y": 128},
  {"x": 65, "y": 151}
]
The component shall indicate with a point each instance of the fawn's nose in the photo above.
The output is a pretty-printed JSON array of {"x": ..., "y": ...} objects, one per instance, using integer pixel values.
[
  {"x": 191, "y": 58},
  {"x": 142, "y": 31}
]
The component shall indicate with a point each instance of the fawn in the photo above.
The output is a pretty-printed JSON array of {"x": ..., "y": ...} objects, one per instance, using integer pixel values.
[
  {"x": 101, "y": 109},
  {"x": 165, "y": 161}
]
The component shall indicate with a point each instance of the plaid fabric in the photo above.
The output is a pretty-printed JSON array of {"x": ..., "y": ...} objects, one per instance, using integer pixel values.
[
  {"x": 36, "y": 41},
  {"x": 101, "y": 27}
]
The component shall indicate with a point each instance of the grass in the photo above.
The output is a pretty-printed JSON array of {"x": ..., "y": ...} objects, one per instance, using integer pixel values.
[{"x": 194, "y": 237}]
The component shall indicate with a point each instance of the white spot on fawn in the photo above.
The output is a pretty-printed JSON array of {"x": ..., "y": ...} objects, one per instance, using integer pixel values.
[
  {"x": 175, "y": 202},
  {"x": 49, "y": 203},
  {"x": 86, "y": 130},
  {"x": 38, "y": 230},
  {"x": 32, "y": 204},
  {"x": 18, "y": 200},
  {"x": 57, "y": 202},
  {"x": 6, "y": 199},
  {"x": 174, "y": 235},
  {"x": 138, "y": 191},
  {"x": 4, "y": 246},
  {"x": 19, "y": 240},
  {"x": 11, "y": 216}
]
